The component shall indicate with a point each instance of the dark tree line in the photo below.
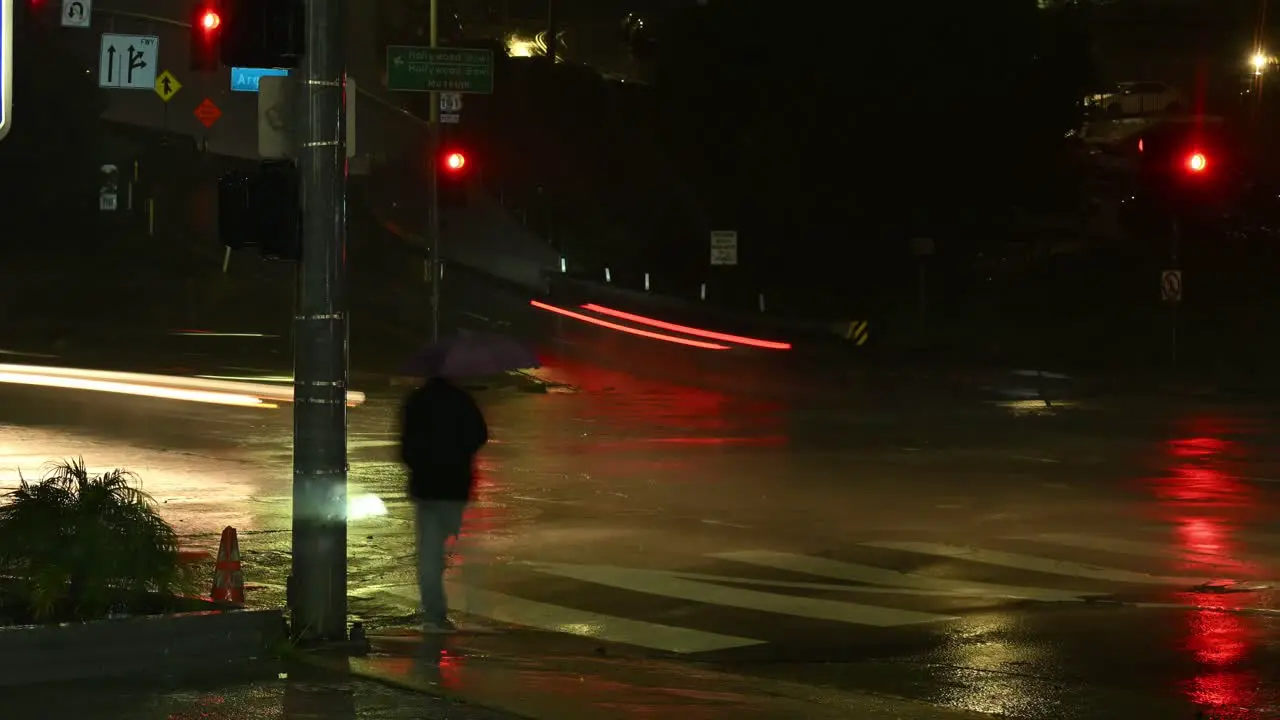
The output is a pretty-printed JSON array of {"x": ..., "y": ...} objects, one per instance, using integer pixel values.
[{"x": 825, "y": 130}]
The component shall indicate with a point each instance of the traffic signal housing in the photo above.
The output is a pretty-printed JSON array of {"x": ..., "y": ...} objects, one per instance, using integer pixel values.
[
  {"x": 453, "y": 171},
  {"x": 206, "y": 37},
  {"x": 1190, "y": 167},
  {"x": 263, "y": 33}
]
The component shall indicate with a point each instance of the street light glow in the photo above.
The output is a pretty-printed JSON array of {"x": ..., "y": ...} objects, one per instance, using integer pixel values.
[{"x": 1259, "y": 61}]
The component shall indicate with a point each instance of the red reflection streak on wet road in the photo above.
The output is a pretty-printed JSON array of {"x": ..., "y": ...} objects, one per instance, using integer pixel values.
[
  {"x": 1204, "y": 504},
  {"x": 480, "y": 519},
  {"x": 442, "y": 667},
  {"x": 653, "y": 411},
  {"x": 1220, "y": 642}
]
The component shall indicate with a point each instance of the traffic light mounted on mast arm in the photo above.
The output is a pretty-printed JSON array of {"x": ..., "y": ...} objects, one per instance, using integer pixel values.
[
  {"x": 264, "y": 33},
  {"x": 206, "y": 36},
  {"x": 247, "y": 33}
]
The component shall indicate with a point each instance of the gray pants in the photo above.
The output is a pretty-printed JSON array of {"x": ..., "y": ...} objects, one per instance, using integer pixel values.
[{"x": 438, "y": 520}]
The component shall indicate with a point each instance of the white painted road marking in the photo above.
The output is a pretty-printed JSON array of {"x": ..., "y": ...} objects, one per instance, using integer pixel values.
[
  {"x": 513, "y": 610},
  {"x": 1208, "y": 560},
  {"x": 1131, "y": 547},
  {"x": 1031, "y": 563},
  {"x": 854, "y": 572},
  {"x": 665, "y": 584}
]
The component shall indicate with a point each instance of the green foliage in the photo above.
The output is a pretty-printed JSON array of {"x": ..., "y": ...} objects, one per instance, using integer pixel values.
[{"x": 87, "y": 544}]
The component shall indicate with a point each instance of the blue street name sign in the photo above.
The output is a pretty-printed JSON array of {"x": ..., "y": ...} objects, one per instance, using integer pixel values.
[
  {"x": 247, "y": 79},
  {"x": 6, "y": 66}
]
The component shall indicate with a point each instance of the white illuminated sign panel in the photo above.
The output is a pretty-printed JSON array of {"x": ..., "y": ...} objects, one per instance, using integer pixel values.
[{"x": 6, "y": 66}]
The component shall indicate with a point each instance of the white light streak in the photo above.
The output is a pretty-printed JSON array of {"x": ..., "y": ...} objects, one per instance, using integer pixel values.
[{"x": 146, "y": 384}]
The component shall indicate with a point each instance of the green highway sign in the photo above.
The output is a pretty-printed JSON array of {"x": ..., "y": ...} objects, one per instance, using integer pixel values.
[{"x": 424, "y": 69}]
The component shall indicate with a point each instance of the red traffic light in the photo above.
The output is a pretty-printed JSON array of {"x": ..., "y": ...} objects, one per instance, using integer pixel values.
[
  {"x": 455, "y": 161},
  {"x": 210, "y": 20},
  {"x": 1197, "y": 162}
]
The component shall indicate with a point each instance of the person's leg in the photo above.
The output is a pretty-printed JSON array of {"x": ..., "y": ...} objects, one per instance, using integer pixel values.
[
  {"x": 449, "y": 516},
  {"x": 432, "y": 536}
]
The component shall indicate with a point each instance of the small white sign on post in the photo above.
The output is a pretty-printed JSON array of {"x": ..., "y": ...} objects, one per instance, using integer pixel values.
[
  {"x": 76, "y": 13},
  {"x": 450, "y": 102},
  {"x": 724, "y": 247},
  {"x": 1171, "y": 286}
]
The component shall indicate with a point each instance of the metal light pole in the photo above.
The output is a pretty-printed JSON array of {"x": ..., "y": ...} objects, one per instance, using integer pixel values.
[
  {"x": 433, "y": 180},
  {"x": 318, "y": 584},
  {"x": 553, "y": 32}
]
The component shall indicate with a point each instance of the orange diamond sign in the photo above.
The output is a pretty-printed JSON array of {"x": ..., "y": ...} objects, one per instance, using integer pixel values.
[{"x": 208, "y": 113}]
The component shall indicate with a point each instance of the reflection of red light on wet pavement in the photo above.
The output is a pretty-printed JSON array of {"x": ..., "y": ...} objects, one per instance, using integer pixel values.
[
  {"x": 654, "y": 411},
  {"x": 1220, "y": 643},
  {"x": 1197, "y": 447},
  {"x": 1206, "y": 507},
  {"x": 1192, "y": 486}
]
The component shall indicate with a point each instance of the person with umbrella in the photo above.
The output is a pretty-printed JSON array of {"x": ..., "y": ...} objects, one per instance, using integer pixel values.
[{"x": 442, "y": 429}]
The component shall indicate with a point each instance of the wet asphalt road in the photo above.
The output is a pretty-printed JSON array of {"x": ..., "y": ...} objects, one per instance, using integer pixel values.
[{"x": 1107, "y": 558}]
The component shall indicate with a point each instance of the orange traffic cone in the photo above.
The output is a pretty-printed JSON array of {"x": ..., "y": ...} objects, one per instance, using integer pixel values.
[{"x": 228, "y": 580}]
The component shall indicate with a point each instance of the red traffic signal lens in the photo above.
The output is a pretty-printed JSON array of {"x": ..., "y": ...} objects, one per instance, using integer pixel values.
[
  {"x": 1197, "y": 162},
  {"x": 210, "y": 20},
  {"x": 455, "y": 161}
]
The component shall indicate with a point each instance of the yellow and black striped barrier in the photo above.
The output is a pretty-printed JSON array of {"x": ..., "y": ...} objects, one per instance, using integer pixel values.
[{"x": 855, "y": 331}]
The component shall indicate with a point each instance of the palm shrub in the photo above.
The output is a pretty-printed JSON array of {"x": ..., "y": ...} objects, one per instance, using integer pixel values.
[{"x": 86, "y": 545}]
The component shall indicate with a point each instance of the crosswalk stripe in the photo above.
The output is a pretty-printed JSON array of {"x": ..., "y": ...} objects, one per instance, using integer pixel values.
[
  {"x": 512, "y": 610},
  {"x": 1135, "y": 547},
  {"x": 855, "y": 572},
  {"x": 1031, "y": 563},
  {"x": 672, "y": 585}
]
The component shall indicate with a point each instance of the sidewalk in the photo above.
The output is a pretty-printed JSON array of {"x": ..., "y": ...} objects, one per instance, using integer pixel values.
[
  {"x": 276, "y": 692},
  {"x": 599, "y": 688}
]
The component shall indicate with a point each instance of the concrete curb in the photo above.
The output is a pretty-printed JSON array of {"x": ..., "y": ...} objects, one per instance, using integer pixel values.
[
  {"x": 330, "y": 662},
  {"x": 782, "y": 698},
  {"x": 136, "y": 646}
]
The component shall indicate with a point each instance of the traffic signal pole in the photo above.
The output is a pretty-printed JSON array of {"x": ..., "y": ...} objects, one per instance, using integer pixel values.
[
  {"x": 318, "y": 584},
  {"x": 433, "y": 180}
]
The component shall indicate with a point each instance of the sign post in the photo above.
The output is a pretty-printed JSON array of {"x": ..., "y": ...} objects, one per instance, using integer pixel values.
[
  {"x": 109, "y": 189},
  {"x": 6, "y": 66},
  {"x": 438, "y": 70},
  {"x": 922, "y": 248},
  {"x": 724, "y": 247},
  {"x": 1171, "y": 293}
]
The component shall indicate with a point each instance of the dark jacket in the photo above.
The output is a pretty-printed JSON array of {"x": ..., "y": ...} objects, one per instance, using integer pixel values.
[{"x": 441, "y": 431}]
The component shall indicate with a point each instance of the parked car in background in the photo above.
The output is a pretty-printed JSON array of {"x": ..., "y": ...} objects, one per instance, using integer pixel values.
[{"x": 1139, "y": 98}]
